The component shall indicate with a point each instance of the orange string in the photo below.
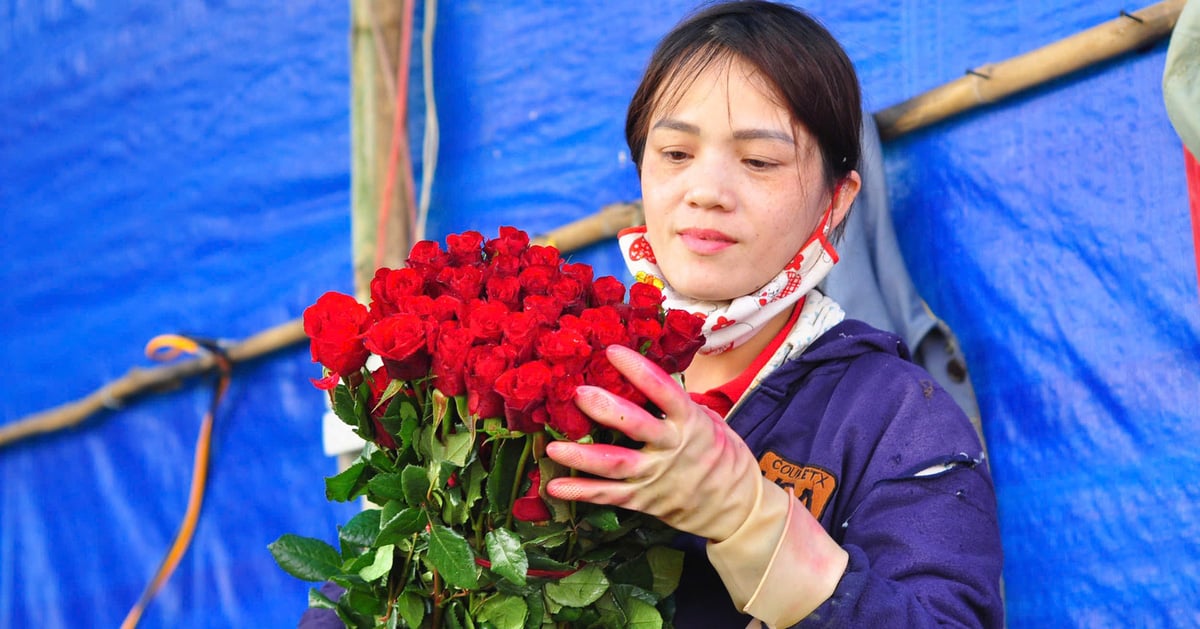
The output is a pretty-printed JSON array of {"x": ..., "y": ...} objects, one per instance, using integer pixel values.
[{"x": 183, "y": 539}]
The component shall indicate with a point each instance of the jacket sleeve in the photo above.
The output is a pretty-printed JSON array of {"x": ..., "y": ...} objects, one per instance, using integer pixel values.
[
  {"x": 924, "y": 552},
  {"x": 920, "y": 523}
]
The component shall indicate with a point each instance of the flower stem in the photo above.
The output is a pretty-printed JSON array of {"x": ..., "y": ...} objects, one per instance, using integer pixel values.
[{"x": 516, "y": 488}]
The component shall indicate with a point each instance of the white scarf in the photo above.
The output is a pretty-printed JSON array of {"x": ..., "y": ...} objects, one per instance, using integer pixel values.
[{"x": 730, "y": 323}]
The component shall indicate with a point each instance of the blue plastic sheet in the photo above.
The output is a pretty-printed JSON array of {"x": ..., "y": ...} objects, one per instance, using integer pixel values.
[{"x": 185, "y": 167}]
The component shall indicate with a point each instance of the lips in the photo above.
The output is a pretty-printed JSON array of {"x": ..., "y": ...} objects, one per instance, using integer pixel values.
[{"x": 705, "y": 241}]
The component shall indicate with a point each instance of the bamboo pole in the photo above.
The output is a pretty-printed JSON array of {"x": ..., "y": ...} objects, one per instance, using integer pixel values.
[
  {"x": 140, "y": 380},
  {"x": 995, "y": 81},
  {"x": 1106, "y": 41}
]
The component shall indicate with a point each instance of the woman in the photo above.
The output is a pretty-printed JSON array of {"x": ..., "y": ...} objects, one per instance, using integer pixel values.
[{"x": 821, "y": 477}]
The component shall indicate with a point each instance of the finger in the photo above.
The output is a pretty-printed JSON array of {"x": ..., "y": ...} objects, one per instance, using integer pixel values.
[
  {"x": 608, "y": 461},
  {"x": 620, "y": 414},
  {"x": 593, "y": 490},
  {"x": 650, "y": 379}
]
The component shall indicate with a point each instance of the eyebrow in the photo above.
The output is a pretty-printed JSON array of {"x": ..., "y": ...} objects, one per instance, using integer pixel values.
[{"x": 741, "y": 134}]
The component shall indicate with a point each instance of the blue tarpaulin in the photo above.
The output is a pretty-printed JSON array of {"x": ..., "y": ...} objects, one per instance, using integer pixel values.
[{"x": 185, "y": 167}]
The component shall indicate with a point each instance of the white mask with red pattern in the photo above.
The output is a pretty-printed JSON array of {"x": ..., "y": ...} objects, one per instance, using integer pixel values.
[{"x": 728, "y": 324}]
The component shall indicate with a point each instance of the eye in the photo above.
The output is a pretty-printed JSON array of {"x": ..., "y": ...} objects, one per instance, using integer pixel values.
[
  {"x": 758, "y": 164},
  {"x": 675, "y": 156}
]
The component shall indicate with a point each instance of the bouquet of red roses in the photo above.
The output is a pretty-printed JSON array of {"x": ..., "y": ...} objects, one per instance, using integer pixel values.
[{"x": 481, "y": 346}]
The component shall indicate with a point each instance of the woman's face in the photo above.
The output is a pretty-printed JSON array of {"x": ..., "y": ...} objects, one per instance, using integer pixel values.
[{"x": 731, "y": 187}]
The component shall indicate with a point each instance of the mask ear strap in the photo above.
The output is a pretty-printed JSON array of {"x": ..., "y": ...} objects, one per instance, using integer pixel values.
[{"x": 827, "y": 220}]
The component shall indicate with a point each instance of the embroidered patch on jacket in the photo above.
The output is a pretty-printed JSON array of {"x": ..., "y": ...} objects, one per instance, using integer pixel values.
[{"x": 813, "y": 485}]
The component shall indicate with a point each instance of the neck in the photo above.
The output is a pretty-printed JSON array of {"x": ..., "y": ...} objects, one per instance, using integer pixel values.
[{"x": 709, "y": 371}]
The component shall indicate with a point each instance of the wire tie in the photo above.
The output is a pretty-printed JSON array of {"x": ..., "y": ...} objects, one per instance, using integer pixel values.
[
  {"x": 1131, "y": 16},
  {"x": 978, "y": 74}
]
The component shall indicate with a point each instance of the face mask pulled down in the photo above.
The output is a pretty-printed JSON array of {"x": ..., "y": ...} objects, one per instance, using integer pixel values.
[{"x": 729, "y": 324}]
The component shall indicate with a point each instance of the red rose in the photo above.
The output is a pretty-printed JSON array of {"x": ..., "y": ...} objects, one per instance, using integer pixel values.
[
  {"x": 420, "y": 306},
  {"x": 604, "y": 327},
  {"x": 378, "y": 384},
  {"x": 391, "y": 287},
  {"x": 607, "y": 291},
  {"x": 484, "y": 319},
  {"x": 562, "y": 414},
  {"x": 643, "y": 332},
  {"x": 427, "y": 258},
  {"x": 537, "y": 280},
  {"x": 400, "y": 341},
  {"x": 450, "y": 358},
  {"x": 505, "y": 290},
  {"x": 485, "y": 363},
  {"x": 334, "y": 326},
  {"x": 680, "y": 339},
  {"x": 447, "y": 308},
  {"x": 564, "y": 346},
  {"x": 579, "y": 271},
  {"x": 600, "y": 373},
  {"x": 546, "y": 309},
  {"x": 569, "y": 292},
  {"x": 504, "y": 265},
  {"x": 521, "y": 330},
  {"x": 645, "y": 300},
  {"x": 524, "y": 389},
  {"x": 541, "y": 255},
  {"x": 531, "y": 507},
  {"x": 465, "y": 248},
  {"x": 510, "y": 242},
  {"x": 465, "y": 283}
]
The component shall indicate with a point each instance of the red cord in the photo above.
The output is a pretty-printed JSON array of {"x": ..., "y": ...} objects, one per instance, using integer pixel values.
[{"x": 399, "y": 150}]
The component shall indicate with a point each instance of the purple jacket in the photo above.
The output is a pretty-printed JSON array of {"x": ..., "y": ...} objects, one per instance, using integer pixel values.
[{"x": 893, "y": 470}]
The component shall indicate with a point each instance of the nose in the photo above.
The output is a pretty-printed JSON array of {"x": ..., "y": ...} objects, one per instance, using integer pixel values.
[{"x": 709, "y": 186}]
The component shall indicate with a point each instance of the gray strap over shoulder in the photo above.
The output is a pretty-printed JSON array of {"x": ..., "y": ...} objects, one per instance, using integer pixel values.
[{"x": 872, "y": 284}]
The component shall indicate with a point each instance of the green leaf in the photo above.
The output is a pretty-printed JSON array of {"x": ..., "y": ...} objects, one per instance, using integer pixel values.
[
  {"x": 411, "y": 608},
  {"x": 441, "y": 407},
  {"x": 381, "y": 565},
  {"x": 550, "y": 469},
  {"x": 415, "y": 485},
  {"x": 392, "y": 418},
  {"x": 344, "y": 405},
  {"x": 359, "y": 533},
  {"x": 379, "y": 458},
  {"x": 362, "y": 411},
  {"x": 454, "y": 509},
  {"x": 348, "y": 483},
  {"x": 363, "y": 602},
  {"x": 318, "y": 600},
  {"x": 505, "y": 612},
  {"x": 579, "y": 589},
  {"x": 400, "y": 526},
  {"x": 450, "y": 554},
  {"x": 410, "y": 420},
  {"x": 387, "y": 486},
  {"x": 473, "y": 482},
  {"x": 666, "y": 564},
  {"x": 604, "y": 520},
  {"x": 457, "y": 447},
  {"x": 537, "y": 610},
  {"x": 305, "y": 558},
  {"x": 507, "y": 556},
  {"x": 506, "y": 453},
  {"x": 642, "y": 615}
]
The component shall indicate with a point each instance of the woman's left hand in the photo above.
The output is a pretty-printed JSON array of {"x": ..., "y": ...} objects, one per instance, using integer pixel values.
[{"x": 694, "y": 472}]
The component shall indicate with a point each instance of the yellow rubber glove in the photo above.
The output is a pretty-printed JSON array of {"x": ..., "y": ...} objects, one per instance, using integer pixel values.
[{"x": 697, "y": 475}]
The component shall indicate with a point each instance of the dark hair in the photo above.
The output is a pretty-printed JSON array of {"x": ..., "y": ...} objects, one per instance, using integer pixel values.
[{"x": 791, "y": 49}]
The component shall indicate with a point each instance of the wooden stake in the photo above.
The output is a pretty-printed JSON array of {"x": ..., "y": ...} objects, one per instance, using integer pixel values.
[{"x": 993, "y": 82}]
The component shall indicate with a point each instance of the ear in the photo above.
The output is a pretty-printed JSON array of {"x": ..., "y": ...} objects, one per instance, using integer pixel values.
[{"x": 844, "y": 194}]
